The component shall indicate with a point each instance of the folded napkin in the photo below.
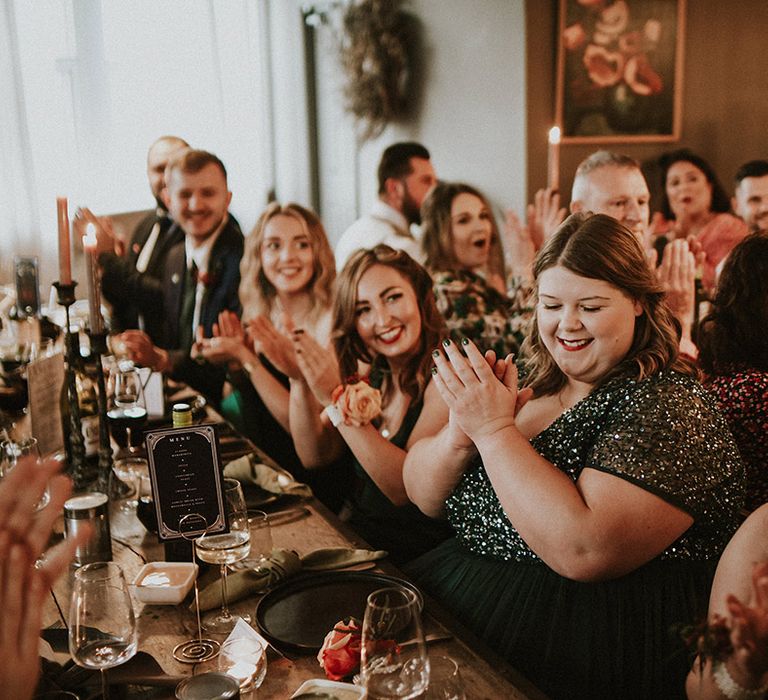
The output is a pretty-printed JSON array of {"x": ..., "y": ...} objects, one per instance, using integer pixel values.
[
  {"x": 282, "y": 564},
  {"x": 249, "y": 469}
]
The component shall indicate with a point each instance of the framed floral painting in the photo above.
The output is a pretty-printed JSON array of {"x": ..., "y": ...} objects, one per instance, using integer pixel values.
[{"x": 620, "y": 70}]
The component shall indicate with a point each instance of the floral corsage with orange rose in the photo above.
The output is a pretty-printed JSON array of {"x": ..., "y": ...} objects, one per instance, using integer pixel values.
[{"x": 355, "y": 403}]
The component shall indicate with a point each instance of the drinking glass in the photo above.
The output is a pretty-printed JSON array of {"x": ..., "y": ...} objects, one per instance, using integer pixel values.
[
  {"x": 128, "y": 414},
  {"x": 445, "y": 682},
  {"x": 245, "y": 659},
  {"x": 260, "y": 540},
  {"x": 394, "y": 661},
  {"x": 13, "y": 451},
  {"x": 129, "y": 471},
  {"x": 102, "y": 627},
  {"x": 225, "y": 548}
]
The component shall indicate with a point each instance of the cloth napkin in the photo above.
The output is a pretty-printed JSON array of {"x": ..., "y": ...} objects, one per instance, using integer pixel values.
[
  {"x": 249, "y": 469},
  {"x": 282, "y": 564}
]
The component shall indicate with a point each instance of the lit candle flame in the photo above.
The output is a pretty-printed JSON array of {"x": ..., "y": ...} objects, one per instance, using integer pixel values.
[
  {"x": 554, "y": 135},
  {"x": 89, "y": 239}
]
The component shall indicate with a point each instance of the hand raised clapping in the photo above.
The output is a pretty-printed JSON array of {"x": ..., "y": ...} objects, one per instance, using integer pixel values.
[
  {"x": 318, "y": 366},
  {"x": 481, "y": 392}
]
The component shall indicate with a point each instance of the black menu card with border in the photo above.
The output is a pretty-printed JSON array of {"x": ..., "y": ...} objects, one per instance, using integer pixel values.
[{"x": 186, "y": 478}]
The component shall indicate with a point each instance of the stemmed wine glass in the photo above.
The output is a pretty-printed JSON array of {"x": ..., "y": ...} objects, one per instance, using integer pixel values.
[
  {"x": 224, "y": 549},
  {"x": 12, "y": 451},
  {"x": 128, "y": 415},
  {"x": 102, "y": 626},
  {"x": 394, "y": 661}
]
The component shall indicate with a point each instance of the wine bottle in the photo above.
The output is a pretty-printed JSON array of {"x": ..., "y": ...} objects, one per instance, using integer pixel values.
[
  {"x": 181, "y": 549},
  {"x": 79, "y": 400}
]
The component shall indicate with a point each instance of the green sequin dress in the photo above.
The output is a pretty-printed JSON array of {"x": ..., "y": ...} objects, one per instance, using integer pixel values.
[{"x": 609, "y": 639}]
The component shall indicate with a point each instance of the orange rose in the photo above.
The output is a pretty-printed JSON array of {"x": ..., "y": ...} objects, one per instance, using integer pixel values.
[
  {"x": 340, "y": 653},
  {"x": 359, "y": 403}
]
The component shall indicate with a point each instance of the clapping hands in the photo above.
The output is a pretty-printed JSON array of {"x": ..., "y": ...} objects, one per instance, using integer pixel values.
[{"x": 480, "y": 391}]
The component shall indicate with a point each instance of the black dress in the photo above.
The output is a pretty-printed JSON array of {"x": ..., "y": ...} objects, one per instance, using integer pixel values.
[{"x": 404, "y": 531}]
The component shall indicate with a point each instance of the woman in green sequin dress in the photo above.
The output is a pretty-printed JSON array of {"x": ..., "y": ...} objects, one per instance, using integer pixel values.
[{"x": 590, "y": 506}]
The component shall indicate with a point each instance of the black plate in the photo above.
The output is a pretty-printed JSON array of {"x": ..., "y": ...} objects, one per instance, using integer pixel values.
[{"x": 298, "y": 614}]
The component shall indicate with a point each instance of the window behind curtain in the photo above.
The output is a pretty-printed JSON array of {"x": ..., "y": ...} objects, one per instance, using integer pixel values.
[{"x": 93, "y": 83}]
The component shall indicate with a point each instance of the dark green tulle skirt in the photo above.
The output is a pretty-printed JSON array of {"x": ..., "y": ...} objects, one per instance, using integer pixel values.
[{"x": 612, "y": 639}]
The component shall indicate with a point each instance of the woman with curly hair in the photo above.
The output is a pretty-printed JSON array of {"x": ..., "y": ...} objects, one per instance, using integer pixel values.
[
  {"x": 590, "y": 502},
  {"x": 385, "y": 326},
  {"x": 287, "y": 274},
  {"x": 733, "y": 352}
]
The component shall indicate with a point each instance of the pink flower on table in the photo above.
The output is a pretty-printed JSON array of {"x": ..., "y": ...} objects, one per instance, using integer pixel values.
[
  {"x": 574, "y": 37},
  {"x": 641, "y": 77},
  {"x": 605, "y": 67},
  {"x": 340, "y": 653}
]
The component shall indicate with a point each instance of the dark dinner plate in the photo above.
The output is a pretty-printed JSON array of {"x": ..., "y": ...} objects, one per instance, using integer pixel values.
[{"x": 297, "y": 615}]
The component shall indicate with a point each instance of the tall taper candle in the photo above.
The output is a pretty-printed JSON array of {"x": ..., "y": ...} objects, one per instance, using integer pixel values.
[
  {"x": 65, "y": 263},
  {"x": 553, "y": 159},
  {"x": 94, "y": 288}
]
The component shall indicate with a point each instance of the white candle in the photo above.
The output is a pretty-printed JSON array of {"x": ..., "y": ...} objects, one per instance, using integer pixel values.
[
  {"x": 65, "y": 263},
  {"x": 92, "y": 270},
  {"x": 553, "y": 159}
]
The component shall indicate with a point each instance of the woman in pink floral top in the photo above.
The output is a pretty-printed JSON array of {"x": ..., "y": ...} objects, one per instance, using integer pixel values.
[{"x": 734, "y": 355}]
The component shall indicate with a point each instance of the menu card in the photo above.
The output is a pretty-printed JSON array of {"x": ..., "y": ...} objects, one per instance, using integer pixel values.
[
  {"x": 45, "y": 378},
  {"x": 186, "y": 478}
]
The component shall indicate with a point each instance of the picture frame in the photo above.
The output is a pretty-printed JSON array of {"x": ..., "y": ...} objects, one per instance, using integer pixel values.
[{"x": 620, "y": 70}]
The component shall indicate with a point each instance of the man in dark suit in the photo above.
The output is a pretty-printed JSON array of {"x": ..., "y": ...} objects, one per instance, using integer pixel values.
[
  {"x": 148, "y": 248},
  {"x": 200, "y": 277}
]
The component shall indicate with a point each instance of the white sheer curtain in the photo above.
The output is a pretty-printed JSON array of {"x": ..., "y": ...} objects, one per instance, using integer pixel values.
[{"x": 89, "y": 84}]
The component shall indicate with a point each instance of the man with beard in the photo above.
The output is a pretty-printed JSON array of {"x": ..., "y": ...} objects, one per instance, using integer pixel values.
[
  {"x": 750, "y": 198},
  {"x": 405, "y": 178},
  {"x": 200, "y": 278},
  {"x": 146, "y": 252}
]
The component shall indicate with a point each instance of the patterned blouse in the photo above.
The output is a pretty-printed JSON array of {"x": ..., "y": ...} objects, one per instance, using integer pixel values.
[
  {"x": 742, "y": 397},
  {"x": 473, "y": 309}
]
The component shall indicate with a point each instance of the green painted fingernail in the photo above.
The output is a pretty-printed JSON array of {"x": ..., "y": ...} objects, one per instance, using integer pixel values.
[
  {"x": 434, "y": 370},
  {"x": 435, "y": 354},
  {"x": 446, "y": 342},
  {"x": 465, "y": 341}
]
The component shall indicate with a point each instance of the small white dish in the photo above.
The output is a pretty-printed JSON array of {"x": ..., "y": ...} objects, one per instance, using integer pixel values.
[
  {"x": 321, "y": 687},
  {"x": 164, "y": 582}
]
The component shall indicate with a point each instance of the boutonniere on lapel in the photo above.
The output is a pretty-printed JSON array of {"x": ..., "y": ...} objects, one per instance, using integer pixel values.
[{"x": 207, "y": 279}]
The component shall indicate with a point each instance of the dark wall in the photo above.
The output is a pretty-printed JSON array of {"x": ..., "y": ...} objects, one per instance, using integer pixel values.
[{"x": 725, "y": 91}]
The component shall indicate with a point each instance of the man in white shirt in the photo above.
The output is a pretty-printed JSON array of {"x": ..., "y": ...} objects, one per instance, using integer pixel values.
[
  {"x": 750, "y": 199},
  {"x": 201, "y": 275},
  {"x": 405, "y": 176},
  {"x": 150, "y": 242}
]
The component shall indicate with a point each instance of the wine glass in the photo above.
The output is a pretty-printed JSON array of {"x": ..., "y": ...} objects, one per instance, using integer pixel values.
[
  {"x": 102, "y": 627},
  {"x": 260, "y": 549},
  {"x": 394, "y": 661},
  {"x": 12, "y": 451},
  {"x": 128, "y": 415},
  {"x": 225, "y": 548}
]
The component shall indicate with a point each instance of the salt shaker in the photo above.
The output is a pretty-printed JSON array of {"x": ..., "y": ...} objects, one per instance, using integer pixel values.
[{"x": 90, "y": 508}]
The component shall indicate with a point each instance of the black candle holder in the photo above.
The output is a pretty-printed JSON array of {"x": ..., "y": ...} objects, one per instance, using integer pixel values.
[
  {"x": 98, "y": 349},
  {"x": 74, "y": 442}
]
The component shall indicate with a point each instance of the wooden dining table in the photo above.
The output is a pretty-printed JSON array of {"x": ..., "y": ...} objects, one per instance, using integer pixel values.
[{"x": 307, "y": 527}]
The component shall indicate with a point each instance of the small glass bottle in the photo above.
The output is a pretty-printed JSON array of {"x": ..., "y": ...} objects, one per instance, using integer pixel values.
[{"x": 182, "y": 415}]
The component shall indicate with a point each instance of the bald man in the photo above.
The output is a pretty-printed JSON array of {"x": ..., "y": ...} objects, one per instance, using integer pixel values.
[
  {"x": 613, "y": 184},
  {"x": 150, "y": 242}
]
